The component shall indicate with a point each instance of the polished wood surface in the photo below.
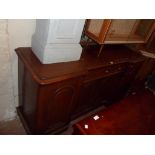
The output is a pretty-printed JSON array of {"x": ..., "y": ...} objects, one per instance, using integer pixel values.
[
  {"x": 48, "y": 73},
  {"x": 52, "y": 95},
  {"x": 132, "y": 115}
]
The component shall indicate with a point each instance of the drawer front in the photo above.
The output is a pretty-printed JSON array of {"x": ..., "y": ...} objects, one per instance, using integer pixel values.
[{"x": 103, "y": 72}]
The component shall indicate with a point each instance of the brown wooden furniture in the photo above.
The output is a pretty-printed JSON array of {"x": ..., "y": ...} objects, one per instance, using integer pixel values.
[
  {"x": 114, "y": 31},
  {"x": 151, "y": 43},
  {"x": 52, "y": 95},
  {"x": 149, "y": 65},
  {"x": 132, "y": 115}
]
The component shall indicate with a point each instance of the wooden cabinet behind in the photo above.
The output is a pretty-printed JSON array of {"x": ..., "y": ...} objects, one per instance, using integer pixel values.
[
  {"x": 109, "y": 31},
  {"x": 51, "y": 95}
]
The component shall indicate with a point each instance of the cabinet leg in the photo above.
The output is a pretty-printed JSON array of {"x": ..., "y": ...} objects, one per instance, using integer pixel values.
[{"x": 100, "y": 51}]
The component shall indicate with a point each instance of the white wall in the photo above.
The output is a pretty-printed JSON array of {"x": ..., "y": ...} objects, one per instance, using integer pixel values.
[
  {"x": 6, "y": 87},
  {"x": 13, "y": 34}
]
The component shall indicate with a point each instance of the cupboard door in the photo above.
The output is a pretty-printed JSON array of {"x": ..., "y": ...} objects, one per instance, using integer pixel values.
[
  {"x": 110, "y": 88},
  {"x": 56, "y": 104},
  {"x": 88, "y": 93},
  {"x": 99, "y": 92}
]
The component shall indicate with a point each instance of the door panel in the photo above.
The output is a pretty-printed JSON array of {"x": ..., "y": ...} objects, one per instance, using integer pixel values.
[{"x": 99, "y": 92}]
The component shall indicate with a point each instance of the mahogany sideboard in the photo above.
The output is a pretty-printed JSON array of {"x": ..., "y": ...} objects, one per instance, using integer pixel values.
[{"x": 51, "y": 95}]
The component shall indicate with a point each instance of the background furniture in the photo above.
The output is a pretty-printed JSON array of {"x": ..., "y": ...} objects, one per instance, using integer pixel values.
[
  {"x": 149, "y": 64},
  {"x": 114, "y": 31}
]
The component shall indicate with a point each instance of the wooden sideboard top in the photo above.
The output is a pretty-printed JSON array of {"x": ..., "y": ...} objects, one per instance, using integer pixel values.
[
  {"x": 48, "y": 73},
  {"x": 111, "y": 55}
]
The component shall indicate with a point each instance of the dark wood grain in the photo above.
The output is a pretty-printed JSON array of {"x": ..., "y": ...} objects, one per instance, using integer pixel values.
[
  {"x": 48, "y": 73},
  {"x": 53, "y": 94}
]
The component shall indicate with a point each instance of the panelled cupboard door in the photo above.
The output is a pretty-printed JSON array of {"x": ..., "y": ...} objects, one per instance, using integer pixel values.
[
  {"x": 85, "y": 102},
  {"x": 89, "y": 98},
  {"x": 111, "y": 31},
  {"x": 84, "y": 97},
  {"x": 99, "y": 92},
  {"x": 110, "y": 88},
  {"x": 56, "y": 104}
]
